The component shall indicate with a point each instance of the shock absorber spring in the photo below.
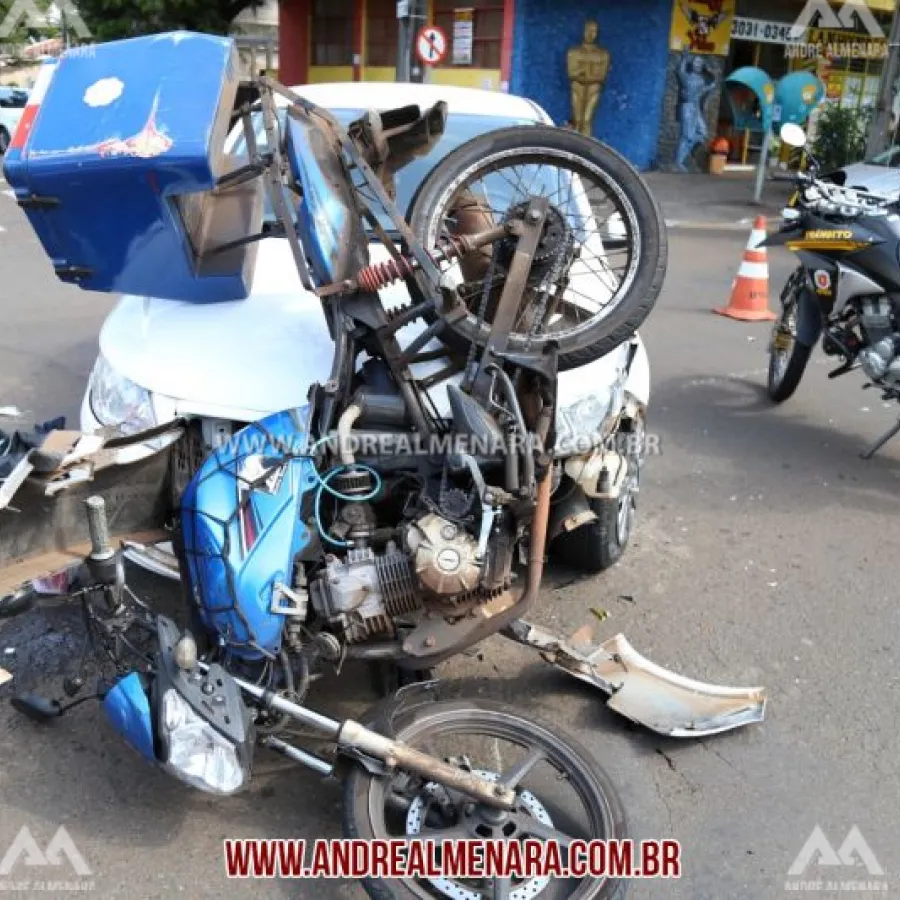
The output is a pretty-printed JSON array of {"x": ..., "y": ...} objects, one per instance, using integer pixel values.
[{"x": 379, "y": 275}]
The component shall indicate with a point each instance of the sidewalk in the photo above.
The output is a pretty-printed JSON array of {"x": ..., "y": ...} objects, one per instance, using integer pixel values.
[{"x": 716, "y": 201}]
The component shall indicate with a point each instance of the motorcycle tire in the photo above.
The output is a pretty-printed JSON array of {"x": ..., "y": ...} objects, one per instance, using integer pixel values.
[
  {"x": 607, "y": 331},
  {"x": 599, "y": 545},
  {"x": 365, "y": 794},
  {"x": 786, "y": 366}
]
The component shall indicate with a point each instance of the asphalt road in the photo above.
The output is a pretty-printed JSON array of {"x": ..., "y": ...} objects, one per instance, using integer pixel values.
[{"x": 765, "y": 554}]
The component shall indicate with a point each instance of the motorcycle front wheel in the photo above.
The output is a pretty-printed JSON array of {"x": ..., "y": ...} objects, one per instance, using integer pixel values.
[
  {"x": 602, "y": 258},
  {"x": 787, "y": 356},
  {"x": 562, "y": 795}
]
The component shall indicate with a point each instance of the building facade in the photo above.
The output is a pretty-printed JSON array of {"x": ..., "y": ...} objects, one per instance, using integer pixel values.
[{"x": 521, "y": 46}]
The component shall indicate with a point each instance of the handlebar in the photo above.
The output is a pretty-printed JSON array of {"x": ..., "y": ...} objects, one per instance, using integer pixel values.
[{"x": 829, "y": 198}]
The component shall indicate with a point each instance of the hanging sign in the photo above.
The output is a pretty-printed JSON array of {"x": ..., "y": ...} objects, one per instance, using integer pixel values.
[
  {"x": 463, "y": 36},
  {"x": 763, "y": 31},
  {"x": 431, "y": 45}
]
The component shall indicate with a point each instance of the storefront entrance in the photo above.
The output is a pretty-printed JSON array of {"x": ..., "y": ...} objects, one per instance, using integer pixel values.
[
  {"x": 848, "y": 62},
  {"x": 356, "y": 40}
]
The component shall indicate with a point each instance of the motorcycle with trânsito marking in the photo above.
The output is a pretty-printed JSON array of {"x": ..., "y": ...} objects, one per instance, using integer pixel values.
[
  {"x": 370, "y": 524},
  {"x": 845, "y": 288}
]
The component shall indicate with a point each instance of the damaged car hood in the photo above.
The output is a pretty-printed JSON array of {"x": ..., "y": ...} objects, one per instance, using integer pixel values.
[{"x": 263, "y": 353}]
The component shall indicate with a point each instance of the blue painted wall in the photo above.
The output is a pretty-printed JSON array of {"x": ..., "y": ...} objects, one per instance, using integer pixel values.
[{"x": 636, "y": 34}]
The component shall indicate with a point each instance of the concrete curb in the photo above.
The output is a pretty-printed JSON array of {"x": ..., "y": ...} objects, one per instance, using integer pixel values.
[{"x": 743, "y": 225}]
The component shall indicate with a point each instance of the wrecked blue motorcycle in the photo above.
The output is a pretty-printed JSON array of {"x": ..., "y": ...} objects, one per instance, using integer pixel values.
[{"x": 373, "y": 524}]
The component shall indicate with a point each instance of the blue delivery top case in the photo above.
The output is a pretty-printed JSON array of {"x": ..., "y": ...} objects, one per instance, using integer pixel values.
[{"x": 117, "y": 165}]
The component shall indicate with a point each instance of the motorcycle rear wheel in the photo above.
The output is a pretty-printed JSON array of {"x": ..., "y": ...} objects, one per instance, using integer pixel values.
[
  {"x": 607, "y": 190},
  {"x": 377, "y": 807}
]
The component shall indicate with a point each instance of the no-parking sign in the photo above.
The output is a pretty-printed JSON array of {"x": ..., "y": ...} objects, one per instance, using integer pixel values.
[{"x": 431, "y": 45}]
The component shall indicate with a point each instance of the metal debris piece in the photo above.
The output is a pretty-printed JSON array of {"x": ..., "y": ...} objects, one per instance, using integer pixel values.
[
  {"x": 648, "y": 694},
  {"x": 156, "y": 558}
]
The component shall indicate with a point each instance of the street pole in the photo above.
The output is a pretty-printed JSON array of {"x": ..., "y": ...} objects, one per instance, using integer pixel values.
[
  {"x": 879, "y": 138},
  {"x": 763, "y": 165},
  {"x": 403, "y": 40},
  {"x": 411, "y": 16}
]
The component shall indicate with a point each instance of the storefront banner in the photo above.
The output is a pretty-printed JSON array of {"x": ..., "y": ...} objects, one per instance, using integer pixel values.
[
  {"x": 824, "y": 42},
  {"x": 702, "y": 26},
  {"x": 463, "y": 36}
]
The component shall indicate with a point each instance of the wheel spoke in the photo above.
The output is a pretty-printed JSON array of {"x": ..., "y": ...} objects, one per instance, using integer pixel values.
[
  {"x": 512, "y": 777},
  {"x": 532, "y": 828}
]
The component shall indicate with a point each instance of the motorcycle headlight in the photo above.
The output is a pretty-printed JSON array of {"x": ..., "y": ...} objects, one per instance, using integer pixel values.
[
  {"x": 117, "y": 401},
  {"x": 197, "y": 753},
  {"x": 584, "y": 425}
]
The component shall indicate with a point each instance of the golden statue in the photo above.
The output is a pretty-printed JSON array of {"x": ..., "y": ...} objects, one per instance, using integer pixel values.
[{"x": 588, "y": 66}]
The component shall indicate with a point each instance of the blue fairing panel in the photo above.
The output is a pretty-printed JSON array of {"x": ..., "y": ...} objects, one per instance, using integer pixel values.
[
  {"x": 242, "y": 528},
  {"x": 128, "y": 709},
  {"x": 328, "y": 223}
]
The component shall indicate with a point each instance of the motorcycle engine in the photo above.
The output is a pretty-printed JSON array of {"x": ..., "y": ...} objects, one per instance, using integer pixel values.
[
  {"x": 361, "y": 594},
  {"x": 879, "y": 360}
]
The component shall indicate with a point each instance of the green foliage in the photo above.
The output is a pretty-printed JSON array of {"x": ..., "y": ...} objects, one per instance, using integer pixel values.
[
  {"x": 112, "y": 19},
  {"x": 840, "y": 136}
]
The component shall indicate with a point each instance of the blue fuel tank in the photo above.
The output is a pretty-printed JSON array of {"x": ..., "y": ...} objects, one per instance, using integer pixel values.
[
  {"x": 242, "y": 526},
  {"x": 115, "y": 164}
]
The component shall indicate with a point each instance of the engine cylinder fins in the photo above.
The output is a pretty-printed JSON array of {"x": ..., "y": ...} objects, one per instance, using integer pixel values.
[
  {"x": 398, "y": 584},
  {"x": 360, "y": 594}
]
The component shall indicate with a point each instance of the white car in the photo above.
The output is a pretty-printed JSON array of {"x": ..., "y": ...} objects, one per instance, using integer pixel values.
[
  {"x": 878, "y": 175},
  {"x": 12, "y": 102},
  {"x": 223, "y": 365}
]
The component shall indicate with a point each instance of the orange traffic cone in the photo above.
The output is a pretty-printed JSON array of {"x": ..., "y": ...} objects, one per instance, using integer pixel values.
[{"x": 750, "y": 289}]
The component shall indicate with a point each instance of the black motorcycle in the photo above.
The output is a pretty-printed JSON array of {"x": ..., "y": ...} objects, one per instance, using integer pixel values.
[{"x": 845, "y": 289}]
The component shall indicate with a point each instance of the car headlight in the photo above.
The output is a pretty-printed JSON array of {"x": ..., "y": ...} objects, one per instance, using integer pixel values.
[
  {"x": 117, "y": 401},
  {"x": 197, "y": 753},
  {"x": 585, "y": 425}
]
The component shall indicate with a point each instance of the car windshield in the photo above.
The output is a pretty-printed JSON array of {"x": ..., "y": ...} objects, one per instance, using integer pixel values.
[
  {"x": 460, "y": 127},
  {"x": 890, "y": 158}
]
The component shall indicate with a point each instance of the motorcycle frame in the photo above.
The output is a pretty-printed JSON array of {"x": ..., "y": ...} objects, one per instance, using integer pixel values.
[{"x": 347, "y": 308}]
